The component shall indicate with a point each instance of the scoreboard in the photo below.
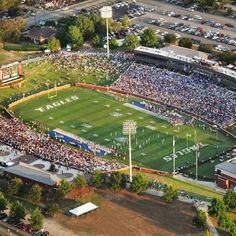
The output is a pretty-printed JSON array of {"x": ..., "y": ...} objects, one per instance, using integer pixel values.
[{"x": 11, "y": 72}]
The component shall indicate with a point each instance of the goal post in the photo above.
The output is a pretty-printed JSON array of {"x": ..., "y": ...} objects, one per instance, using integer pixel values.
[{"x": 52, "y": 92}]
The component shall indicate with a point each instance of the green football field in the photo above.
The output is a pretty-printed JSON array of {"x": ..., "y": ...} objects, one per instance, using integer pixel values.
[{"x": 99, "y": 117}]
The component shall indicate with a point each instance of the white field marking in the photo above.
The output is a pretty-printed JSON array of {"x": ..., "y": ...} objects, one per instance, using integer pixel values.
[
  {"x": 183, "y": 152},
  {"x": 121, "y": 139},
  {"x": 150, "y": 127},
  {"x": 86, "y": 126},
  {"x": 140, "y": 117},
  {"x": 128, "y": 113},
  {"x": 51, "y": 118},
  {"x": 95, "y": 101},
  {"x": 84, "y": 130},
  {"x": 107, "y": 105},
  {"x": 57, "y": 104},
  {"x": 107, "y": 139},
  {"x": 116, "y": 114},
  {"x": 143, "y": 154},
  {"x": 73, "y": 126},
  {"x": 95, "y": 135},
  {"x": 163, "y": 126},
  {"x": 61, "y": 122},
  {"x": 117, "y": 109}
]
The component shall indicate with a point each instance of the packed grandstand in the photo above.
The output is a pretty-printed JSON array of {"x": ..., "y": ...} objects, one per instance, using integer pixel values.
[{"x": 195, "y": 93}]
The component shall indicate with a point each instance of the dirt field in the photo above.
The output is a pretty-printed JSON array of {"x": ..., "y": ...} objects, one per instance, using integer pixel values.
[{"x": 126, "y": 214}]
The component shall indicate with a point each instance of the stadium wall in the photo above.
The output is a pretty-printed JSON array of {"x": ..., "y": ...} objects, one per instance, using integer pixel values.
[
  {"x": 10, "y": 106},
  {"x": 107, "y": 89}
]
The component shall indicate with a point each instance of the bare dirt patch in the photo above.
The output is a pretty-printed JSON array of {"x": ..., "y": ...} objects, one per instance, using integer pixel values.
[{"x": 128, "y": 214}]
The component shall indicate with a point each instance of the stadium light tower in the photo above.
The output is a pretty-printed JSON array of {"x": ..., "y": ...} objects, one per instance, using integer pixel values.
[
  {"x": 129, "y": 128},
  {"x": 106, "y": 13}
]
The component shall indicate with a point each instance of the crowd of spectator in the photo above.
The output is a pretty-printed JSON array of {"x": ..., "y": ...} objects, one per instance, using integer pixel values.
[
  {"x": 89, "y": 63},
  {"x": 195, "y": 94},
  {"x": 15, "y": 133}
]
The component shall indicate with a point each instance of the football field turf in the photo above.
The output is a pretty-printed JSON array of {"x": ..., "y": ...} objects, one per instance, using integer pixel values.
[{"x": 99, "y": 117}]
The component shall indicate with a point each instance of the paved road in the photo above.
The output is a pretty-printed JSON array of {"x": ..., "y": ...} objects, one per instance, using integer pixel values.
[{"x": 53, "y": 15}]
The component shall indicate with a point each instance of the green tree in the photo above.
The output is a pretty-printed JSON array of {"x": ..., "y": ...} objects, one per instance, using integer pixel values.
[
  {"x": 125, "y": 21},
  {"x": 35, "y": 193},
  {"x": 3, "y": 203},
  {"x": 229, "y": 11},
  {"x": 113, "y": 43},
  {"x": 170, "y": 193},
  {"x": 115, "y": 181},
  {"x": 200, "y": 219},
  {"x": 54, "y": 44},
  {"x": 75, "y": 36},
  {"x": 14, "y": 186},
  {"x": 224, "y": 220},
  {"x": 149, "y": 38},
  {"x": 217, "y": 207},
  {"x": 65, "y": 186},
  {"x": 80, "y": 181},
  {"x": 116, "y": 26},
  {"x": 131, "y": 42},
  {"x": 86, "y": 26},
  {"x": 232, "y": 231},
  {"x": 59, "y": 195},
  {"x": 170, "y": 38},
  {"x": 228, "y": 57},
  {"x": 36, "y": 219},
  {"x": 139, "y": 184},
  {"x": 208, "y": 48},
  {"x": 12, "y": 29},
  {"x": 18, "y": 211},
  {"x": 96, "y": 41},
  {"x": 230, "y": 199},
  {"x": 97, "y": 178},
  {"x": 53, "y": 209},
  {"x": 185, "y": 42},
  {"x": 7, "y": 4}
]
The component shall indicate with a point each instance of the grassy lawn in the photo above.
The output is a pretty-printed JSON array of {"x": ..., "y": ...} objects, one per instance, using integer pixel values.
[
  {"x": 12, "y": 56},
  {"x": 194, "y": 190},
  {"x": 99, "y": 117},
  {"x": 25, "y": 46}
]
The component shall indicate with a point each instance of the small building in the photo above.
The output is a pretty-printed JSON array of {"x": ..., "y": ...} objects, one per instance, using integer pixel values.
[
  {"x": 225, "y": 174},
  {"x": 32, "y": 174},
  {"x": 41, "y": 35}
]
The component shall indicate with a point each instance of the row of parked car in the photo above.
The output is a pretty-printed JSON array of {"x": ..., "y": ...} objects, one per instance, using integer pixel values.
[
  {"x": 199, "y": 31},
  {"x": 21, "y": 226}
]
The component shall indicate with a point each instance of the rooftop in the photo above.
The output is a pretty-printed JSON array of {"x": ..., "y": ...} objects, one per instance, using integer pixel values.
[
  {"x": 30, "y": 172},
  {"x": 229, "y": 166}
]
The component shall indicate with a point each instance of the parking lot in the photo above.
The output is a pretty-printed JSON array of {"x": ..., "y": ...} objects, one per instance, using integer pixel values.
[{"x": 221, "y": 32}]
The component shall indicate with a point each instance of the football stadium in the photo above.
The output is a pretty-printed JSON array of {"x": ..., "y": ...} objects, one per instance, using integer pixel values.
[{"x": 172, "y": 110}]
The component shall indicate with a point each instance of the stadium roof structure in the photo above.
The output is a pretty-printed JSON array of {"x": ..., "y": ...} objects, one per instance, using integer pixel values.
[
  {"x": 87, "y": 207},
  {"x": 228, "y": 166},
  {"x": 185, "y": 52},
  {"x": 34, "y": 174}
]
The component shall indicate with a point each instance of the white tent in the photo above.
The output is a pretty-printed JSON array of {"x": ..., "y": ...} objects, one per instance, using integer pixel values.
[{"x": 87, "y": 207}]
